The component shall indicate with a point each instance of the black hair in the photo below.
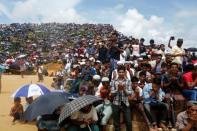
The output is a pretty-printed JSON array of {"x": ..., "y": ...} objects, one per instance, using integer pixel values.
[
  {"x": 163, "y": 65},
  {"x": 152, "y": 41},
  {"x": 121, "y": 67},
  {"x": 134, "y": 79},
  {"x": 157, "y": 80},
  {"x": 173, "y": 63},
  {"x": 17, "y": 99},
  {"x": 142, "y": 73}
]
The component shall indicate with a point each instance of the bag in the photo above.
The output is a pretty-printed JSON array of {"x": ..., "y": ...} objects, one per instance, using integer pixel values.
[{"x": 100, "y": 116}]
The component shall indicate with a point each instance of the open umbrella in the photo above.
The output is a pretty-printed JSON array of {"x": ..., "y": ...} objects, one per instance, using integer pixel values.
[
  {"x": 29, "y": 90},
  {"x": 45, "y": 104},
  {"x": 76, "y": 105},
  {"x": 192, "y": 49}
]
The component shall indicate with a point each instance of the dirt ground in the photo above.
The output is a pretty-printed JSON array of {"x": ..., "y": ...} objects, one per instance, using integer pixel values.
[{"x": 9, "y": 84}]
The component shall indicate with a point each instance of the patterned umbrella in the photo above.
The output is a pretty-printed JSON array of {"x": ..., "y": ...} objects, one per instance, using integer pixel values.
[
  {"x": 31, "y": 90},
  {"x": 76, "y": 105}
]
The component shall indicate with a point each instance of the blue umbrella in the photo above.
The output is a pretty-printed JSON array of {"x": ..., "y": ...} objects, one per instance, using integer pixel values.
[
  {"x": 29, "y": 90},
  {"x": 45, "y": 104}
]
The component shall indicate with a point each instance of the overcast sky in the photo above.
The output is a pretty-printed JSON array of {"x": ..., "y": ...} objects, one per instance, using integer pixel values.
[{"x": 157, "y": 19}]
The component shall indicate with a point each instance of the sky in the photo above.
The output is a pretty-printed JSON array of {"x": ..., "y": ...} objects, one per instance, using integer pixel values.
[{"x": 150, "y": 19}]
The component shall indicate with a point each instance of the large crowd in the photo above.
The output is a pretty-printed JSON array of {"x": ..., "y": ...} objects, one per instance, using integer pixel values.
[{"x": 124, "y": 72}]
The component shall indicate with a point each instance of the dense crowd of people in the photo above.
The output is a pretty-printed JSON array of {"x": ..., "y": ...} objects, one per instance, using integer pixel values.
[{"x": 124, "y": 72}]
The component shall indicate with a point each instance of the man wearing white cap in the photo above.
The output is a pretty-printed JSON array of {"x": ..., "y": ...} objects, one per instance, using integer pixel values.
[
  {"x": 103, "y": 80},
  {"x": 105, "y": 108}
]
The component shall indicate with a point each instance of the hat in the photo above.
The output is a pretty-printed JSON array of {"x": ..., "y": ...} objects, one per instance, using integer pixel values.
[
  {"x": 75, "y": 66},
  {"x": 98, "y": 61},
  {"x": 191, "y": 103},
  {"x": 82, "y": 63},
  {"x": 120, "y": 62},
  {"x": 128, "y": 62},
  {"x": 96, "y": 77},
  {"x": 105, "y": 79},
  {"x": 91, "y": 58},
  {"x": 140, "y": 58},
  {"x": 83, "y": 60}
]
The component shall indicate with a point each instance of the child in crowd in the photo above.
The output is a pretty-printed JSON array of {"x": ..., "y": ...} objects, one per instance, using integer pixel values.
[{"x": 17, "y": 109}]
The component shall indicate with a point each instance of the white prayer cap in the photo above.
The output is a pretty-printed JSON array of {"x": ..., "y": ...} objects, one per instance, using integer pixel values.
[
  {"x": 105, "y": 79},
  {"x": 120, "y": 62},
  {"x": 96, "y": 77},
  {"x": 82, "y": 63}
]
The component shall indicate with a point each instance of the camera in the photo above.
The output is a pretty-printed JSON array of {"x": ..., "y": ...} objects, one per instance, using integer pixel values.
[{"x": 172, "y": 38}]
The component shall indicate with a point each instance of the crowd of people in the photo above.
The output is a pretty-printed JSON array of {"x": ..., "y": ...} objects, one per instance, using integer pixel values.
[{"x": 126, "y": 74}]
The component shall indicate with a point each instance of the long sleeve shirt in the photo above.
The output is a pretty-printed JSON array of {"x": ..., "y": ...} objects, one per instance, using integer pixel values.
[
  {"x": 121, "y": 96},
  {"x": 159, "y": 96}
]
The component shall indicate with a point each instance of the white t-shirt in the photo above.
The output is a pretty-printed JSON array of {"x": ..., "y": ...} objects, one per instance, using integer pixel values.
[{"x": 175, "y": 51}]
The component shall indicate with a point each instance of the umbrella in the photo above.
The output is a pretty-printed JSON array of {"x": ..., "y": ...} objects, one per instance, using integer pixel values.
[
  {"x": 76, "y": 105},
  {"x": 45, "y": 104},
  {"x": 29, "y": 90},
  {"x": 192, "y": 49},
  {"x": 2, "y": 69}
]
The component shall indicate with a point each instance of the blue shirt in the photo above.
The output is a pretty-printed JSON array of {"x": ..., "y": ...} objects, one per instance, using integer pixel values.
[{"x": 152, "y": 99}]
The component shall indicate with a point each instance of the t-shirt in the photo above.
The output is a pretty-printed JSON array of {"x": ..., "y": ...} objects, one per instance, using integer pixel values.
[
  {"x": 114, "y": 53},
  {"x": 187, "y": 77},
  {"x": 175, "y": 51}
]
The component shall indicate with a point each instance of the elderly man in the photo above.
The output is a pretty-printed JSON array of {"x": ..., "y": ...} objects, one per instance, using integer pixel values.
[{"x": 187, "y": 120}]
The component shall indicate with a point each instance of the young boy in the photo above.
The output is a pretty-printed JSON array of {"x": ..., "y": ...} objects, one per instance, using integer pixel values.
[{"x": 17, "y": 109}]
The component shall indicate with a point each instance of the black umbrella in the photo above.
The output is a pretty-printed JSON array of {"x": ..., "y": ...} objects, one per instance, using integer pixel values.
[
  {"x": 45, "y": 104},
  {"x": 75, "y": 105},
  {"x": 192, "y": 49}
]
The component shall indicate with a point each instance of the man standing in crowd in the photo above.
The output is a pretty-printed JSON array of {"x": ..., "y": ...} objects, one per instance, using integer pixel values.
[
  {"x": 177, "y": 51},
  {"x": 120, "y": 90}
]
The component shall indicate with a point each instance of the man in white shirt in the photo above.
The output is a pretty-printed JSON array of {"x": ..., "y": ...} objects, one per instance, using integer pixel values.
[{"x": 178, "y": 52}]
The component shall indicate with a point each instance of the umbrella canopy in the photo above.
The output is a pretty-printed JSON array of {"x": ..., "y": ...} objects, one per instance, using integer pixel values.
[
  {"x": 76, "y": 105},
  {"x": 29, "y": 90},
  {"x": 192, "y": 49},
  {"x": 45, "y": 104}
]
